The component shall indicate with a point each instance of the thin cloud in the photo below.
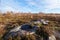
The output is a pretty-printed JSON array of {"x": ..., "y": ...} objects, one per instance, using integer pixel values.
[
  {"x": 30, "y": 5},
  {"x": 52, "y": 4},
  {"x": 31, "y": 2}
]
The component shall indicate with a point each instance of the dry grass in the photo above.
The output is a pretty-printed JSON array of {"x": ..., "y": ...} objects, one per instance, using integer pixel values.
[{"x": 8, "y": 20}]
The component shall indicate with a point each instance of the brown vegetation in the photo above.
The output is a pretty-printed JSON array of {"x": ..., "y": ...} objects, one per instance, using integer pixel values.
[{"x": 14, "y": 19}]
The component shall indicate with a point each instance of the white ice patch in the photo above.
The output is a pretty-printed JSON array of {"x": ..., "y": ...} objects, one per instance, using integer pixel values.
[{"x": 15, "y": 29}]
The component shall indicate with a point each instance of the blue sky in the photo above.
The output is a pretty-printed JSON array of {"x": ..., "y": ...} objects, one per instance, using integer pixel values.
[{"x": 47, "y": 6}]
